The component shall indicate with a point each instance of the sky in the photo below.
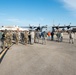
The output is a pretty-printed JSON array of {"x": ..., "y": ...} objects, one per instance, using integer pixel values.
[{"x": 35, "y": 12}]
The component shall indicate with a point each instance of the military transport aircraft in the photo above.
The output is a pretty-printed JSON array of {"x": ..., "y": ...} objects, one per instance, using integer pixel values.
[
  {"x": 63, "y": 27},
  {"x": 35, "y": 27}
]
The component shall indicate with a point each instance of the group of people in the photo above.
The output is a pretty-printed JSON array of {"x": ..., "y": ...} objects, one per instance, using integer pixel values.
[
  {"x": 60, "y": 36},
  {"x": 70, "y": 33},
  {"x": 24, "y": 37},
  {"x": 31, "y": 37},
  {"x": 50, "y": 35}
]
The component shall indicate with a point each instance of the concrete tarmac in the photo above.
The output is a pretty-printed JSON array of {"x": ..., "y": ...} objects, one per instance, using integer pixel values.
[{"x": 54, "y": 58}]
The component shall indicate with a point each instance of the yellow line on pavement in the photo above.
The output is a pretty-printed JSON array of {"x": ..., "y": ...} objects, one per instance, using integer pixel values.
[{"x": 3, "y": 53}]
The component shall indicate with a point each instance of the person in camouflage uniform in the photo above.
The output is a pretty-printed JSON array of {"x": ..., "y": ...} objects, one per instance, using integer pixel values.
[
  {"x": 10, "y": 33},
  {"x": 22, "y": 37},
  {"x": 16, "y": 37},
  {"x": 35, "y": 36},
  {"x": 5, "y": 39},
  {"x": 25, "y": 37},
  {"x": 8, "y": 39},
  {"x": 0, "y": 35}
]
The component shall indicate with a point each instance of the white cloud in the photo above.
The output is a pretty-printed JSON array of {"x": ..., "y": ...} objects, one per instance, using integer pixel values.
[
  {"x": 71, "y": 4},
  {"x": 13, "y": 20}
]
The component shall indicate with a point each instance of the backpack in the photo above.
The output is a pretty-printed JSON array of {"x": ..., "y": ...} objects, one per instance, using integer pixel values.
[{"x": 3, "y": 37}]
